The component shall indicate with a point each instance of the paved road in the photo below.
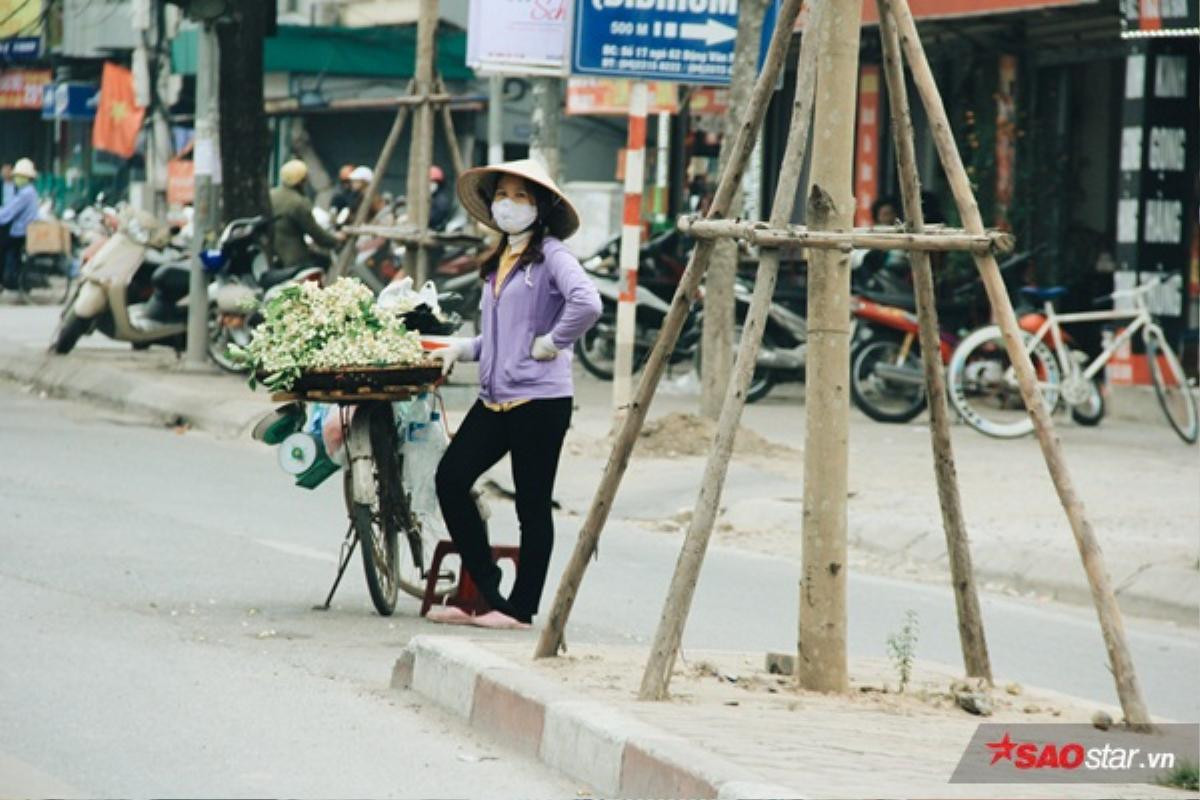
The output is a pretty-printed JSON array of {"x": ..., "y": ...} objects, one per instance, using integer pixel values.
[
  {"x": 158, "y": 637},
  {"x": 156, "y": 598}
]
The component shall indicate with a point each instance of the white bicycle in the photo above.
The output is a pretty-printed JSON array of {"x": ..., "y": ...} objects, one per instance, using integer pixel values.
[{"x": 983, "y": 384}]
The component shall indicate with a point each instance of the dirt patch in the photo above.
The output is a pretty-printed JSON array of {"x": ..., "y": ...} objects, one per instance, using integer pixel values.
[{"x": 680, "y": 434}]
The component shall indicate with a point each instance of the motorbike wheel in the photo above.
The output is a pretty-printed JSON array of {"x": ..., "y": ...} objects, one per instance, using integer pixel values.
[
  {"x": 881, "y": 398},
  {"x": 377, "y": 527},
  {"x": 597, "y": 348},
  {"x": 761, "y": 382},
  {"x": 1091, "y": 412},
  {"x": 220, "y": 337},
  {"x": 70, "y": 329}
]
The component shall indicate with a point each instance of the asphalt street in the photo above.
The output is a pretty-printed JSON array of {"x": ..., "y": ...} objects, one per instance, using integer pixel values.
[{"x": 156, "y": 608}]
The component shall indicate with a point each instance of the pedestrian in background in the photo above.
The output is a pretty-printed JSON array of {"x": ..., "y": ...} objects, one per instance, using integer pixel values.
[
  {"x": 15, "y": 215},
  {"x": 537, "y": 301}
]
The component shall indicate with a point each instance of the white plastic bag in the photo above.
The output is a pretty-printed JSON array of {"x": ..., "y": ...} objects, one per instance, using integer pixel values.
[{"x": 423, "y": 441}]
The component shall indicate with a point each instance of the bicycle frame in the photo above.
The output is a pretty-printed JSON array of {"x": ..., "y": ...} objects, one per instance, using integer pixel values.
[{"x": 1140, "y": 316}]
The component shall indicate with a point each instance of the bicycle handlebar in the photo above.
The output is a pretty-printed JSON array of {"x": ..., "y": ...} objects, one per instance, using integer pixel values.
[{"x": 1142, "y": 289}]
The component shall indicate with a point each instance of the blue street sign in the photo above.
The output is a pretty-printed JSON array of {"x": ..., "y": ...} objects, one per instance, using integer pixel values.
[
  {"x": 684, "y": 41},
  {"x": 70, "y": 101},
  {"x": 21, "y": 48}
]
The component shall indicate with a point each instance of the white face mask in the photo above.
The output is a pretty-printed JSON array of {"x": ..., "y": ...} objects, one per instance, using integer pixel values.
[{"x": 513, "y": 217}]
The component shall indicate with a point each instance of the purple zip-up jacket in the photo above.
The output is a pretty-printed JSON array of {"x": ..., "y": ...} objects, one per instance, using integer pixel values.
[{"x": 554, "y": 297}]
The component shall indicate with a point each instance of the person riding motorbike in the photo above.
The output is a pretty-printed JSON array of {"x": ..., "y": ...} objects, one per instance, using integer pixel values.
[
  {"x": 293, "y": 218},
  {"x": 441, "y": 200},
  {"x": 345, "y": 196}
]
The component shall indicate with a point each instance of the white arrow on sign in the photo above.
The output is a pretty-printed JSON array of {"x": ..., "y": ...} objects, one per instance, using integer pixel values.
[{"x": 711, "y": 31}]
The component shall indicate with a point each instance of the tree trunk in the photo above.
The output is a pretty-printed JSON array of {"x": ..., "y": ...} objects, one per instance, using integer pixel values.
[
  {"x": 821, "y": 663},
  {"x": 717, "y": 338},
  {"x": 245, "y": 141}
]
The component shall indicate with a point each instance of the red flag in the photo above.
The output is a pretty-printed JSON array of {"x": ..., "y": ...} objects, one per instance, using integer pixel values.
[{"x": 119, "y": 117}]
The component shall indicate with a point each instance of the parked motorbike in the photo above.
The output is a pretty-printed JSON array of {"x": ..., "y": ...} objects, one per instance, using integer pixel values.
[
  {"x": 243, "y": 279},
  {"x": 887, "y": 379},
  {"x": 115, "y": 286}
]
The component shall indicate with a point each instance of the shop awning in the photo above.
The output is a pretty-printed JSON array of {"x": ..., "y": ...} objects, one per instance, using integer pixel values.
[{"x": 376, "y": 52}]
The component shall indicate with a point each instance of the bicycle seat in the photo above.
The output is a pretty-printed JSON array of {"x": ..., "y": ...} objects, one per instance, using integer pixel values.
[{"x": 1044, "y": 293}]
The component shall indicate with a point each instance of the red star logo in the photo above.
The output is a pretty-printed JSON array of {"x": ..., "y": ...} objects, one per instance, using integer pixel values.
[{"x": 1002, "y": 748}]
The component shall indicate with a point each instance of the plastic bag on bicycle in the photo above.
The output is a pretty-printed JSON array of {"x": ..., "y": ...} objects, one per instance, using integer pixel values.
[{"x": 423, "y": 440}]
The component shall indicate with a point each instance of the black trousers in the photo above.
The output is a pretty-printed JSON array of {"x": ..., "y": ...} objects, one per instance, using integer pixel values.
[
  {"x": 12, "y": 249},
  {"x": 533, "y": 434}
]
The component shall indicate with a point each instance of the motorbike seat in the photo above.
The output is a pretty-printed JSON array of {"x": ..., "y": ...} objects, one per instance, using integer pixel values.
[
  {"x": 277, "y": 275},
  {"x": 907, "y": 302},
  {"x": 1042, "y": 294}
]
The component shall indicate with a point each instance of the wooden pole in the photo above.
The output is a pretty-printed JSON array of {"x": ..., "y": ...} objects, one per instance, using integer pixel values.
[
  {"x": 821, "y": 663},
  {"x": 717, "y": 329},
  {"x": 657, "y": 676},
  {"x": 798, "y": 236},
  {"x": 1109, "y": 613},
  {"x": 456, "y": 155},
  {"x": 966, "y": 597},
  {"x": 420, "y": 154},
  {"x": 364, "y": 208},
  {"x": 551, "y": 639}
]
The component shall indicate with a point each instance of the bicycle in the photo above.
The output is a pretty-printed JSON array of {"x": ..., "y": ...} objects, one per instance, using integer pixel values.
[
  {"x": 983, "y": 385},
  {"x": 44, "y": 269},
  {"x": 379, "y": 505}
]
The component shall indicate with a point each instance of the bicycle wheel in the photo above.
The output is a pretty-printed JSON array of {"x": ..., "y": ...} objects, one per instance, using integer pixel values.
[
  {"x": 42, "y": 280},
  {"x": 1170, "y": 384},
  {"x": 377, "y": 525},
  {"x": 883, "y": 389},
  {"x": 983, "y": 383}
]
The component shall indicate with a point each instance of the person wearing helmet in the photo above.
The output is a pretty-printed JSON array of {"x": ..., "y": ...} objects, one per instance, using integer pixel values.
[
  {"x": 537, "y": 301},
  {"x": 441, "y": 200},
  {"x": 293, "y": 218},
  {"x": 15, "y": 216},
  {"x": 344, "y": 197}
]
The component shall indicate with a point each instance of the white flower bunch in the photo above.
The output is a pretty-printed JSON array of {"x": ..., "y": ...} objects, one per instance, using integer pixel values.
[{"x": 310, "y": 327}]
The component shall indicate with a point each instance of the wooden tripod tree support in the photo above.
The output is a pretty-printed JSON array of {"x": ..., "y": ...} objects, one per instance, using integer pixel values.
[
  {"x": 962, "y": 575},
  {"x": 657, "y": 676},
  {"x": 551, "y": 639},
  {"x": 1111, "y": 624},
  {"x": 797, "y": 236},
  {"x": 430, "y": 96}
]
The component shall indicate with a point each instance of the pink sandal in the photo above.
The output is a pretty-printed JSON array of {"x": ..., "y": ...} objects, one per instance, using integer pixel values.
[
  {"x": 449, "y": 615},
  {"x": 497, "y": 620}
]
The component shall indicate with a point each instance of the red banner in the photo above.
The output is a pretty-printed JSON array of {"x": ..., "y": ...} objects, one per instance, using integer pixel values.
[{"x": 866, "y": 157}]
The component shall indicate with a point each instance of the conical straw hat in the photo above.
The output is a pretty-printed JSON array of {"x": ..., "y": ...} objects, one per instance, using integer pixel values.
[{"x": 476, "y": 187}]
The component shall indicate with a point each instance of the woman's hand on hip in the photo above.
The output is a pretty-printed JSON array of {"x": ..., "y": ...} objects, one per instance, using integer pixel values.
[{"x": 543, "y": 349}]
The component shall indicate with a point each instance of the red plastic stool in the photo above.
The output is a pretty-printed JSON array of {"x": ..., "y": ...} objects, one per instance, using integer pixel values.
[{"x": 466, "y": 596}]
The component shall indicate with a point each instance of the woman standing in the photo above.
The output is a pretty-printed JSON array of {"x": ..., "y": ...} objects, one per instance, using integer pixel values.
[{"x": 537, "y": 301}]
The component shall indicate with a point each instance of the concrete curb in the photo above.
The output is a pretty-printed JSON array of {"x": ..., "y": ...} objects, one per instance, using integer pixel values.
[
  {"x": 613, "y": 753},
  {"x": 72, "y": 377}
]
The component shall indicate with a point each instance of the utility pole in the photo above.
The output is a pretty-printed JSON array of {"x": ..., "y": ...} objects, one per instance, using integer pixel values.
[
  {"x": 495, "y": 119},
  {"x": 544, "y": 124},
  {"x": 421, "y": 153},
  {"x": 716, "y": 342},
  {"x": 821, "y": 663},
  {"x": 207, "y": 160}
]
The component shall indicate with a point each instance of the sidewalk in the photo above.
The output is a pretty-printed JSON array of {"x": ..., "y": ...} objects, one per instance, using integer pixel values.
[
  {"x": 731, "y": 730},
  {"x": 1136, "y": 479}
]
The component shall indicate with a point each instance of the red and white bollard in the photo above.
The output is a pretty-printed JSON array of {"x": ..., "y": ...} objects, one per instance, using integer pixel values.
[{"x": 631, "y": 235}]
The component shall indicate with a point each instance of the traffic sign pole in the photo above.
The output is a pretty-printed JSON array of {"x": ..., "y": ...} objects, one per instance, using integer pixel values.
[{"x": 631, "y": 234}]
